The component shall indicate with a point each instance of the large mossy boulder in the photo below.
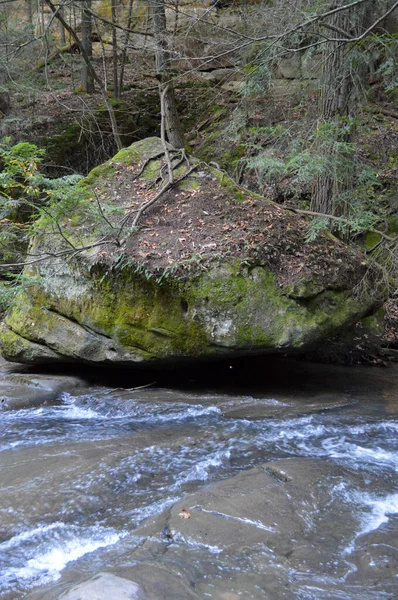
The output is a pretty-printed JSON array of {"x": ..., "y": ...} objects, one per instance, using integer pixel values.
[{"x": 211, "y": 271}]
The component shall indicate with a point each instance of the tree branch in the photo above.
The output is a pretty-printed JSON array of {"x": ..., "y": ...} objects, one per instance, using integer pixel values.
[
  {"x": 49, "y": 255},
  {"x": 117, "y": 26},
  {"x": 341, "y": 220},
  {"x": 162, "y": 191},
  {"x": 91, "y": 69},
  {"x": 337, "y": 30}
]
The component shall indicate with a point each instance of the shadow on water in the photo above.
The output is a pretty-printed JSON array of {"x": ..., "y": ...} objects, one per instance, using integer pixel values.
[{"x": 265, "y": 372}]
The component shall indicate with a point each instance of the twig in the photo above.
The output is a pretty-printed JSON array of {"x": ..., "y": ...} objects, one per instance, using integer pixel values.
[
  {"x": 133, "y": 389},
  {"x": 146, "y": 163},
  {"x": 101, "y": 211},
  {"x": 96, "y": 15},
  {"x": 140, "y": 387},
  {"x": 164, "y": 189},
  {"x": 145, "y": 206},
  {"x": 370, "y": 250},
  {"x": 337, "y": 30},
  {"x": 49, "y": 255},
  {"x": 64, "y": 236},
  {"x": 48, "y": 213}
]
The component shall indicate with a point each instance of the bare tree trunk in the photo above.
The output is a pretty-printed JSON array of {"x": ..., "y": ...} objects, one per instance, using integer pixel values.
[
  {"x": 125, "y": 45},
  {"x": 334, "y": 104},
  {"x": 93, "y": 74},
  {"x": 62, "y": 36},
  {"x": 42, "y": 19},
  {"x": 114, "y": 50},
  {"x": 30, "y": 16},
  {"x": 339, "y": 100},
  {"x": 162, "y": 56},
  {"x": 87, "y": 75}
]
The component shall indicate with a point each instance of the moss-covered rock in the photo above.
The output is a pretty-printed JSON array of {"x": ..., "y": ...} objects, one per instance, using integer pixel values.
[
  {"x": 130, "y": 320},
  {"x": 85, "y": 309}
]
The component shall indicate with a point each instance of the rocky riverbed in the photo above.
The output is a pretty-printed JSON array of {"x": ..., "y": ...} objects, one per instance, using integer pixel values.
[{"x": 281, "y": 489}]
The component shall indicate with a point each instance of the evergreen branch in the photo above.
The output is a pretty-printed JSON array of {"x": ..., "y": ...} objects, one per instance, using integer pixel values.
[{"x": 313, "y": 213}]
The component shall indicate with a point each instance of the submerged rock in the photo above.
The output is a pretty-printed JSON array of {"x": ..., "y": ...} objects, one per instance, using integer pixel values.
[
  {"x": 263, "y": 533},
  {"x": 213, "y": 272},
  {"x": 105, "y": 586}
]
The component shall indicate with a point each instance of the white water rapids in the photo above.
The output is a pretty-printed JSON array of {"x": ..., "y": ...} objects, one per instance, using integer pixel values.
[{"x": 78, "y": 477}]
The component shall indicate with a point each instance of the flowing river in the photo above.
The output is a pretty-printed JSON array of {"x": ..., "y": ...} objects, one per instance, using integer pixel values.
[{"x": 85, "y": 479}]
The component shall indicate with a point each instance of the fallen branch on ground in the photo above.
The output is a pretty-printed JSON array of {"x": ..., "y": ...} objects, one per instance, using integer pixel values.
[{"x": 133, "y": 389}]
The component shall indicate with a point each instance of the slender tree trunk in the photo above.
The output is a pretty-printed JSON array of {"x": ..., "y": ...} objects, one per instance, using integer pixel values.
[
  {"x": 124, "y": 51},
  {"x": 30, "y": 16},
  {"x": 42, "y": 19},
  {"x": 339, "y": 100},
  {"x": 87, "y": 75},
  {"x": 114, "y": 50},
  {"x": 93, "y": 74},
  {"x": 62, "y": 36},
  {"x": 162, "y": 56}
]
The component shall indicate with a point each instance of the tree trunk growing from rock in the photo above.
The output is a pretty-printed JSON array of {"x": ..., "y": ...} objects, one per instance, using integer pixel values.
[{"x": 162, "y": 56}]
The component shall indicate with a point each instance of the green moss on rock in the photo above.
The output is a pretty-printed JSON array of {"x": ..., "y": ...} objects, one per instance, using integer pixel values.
[
  {"x": 22, "y": 350},
  {"x": 85, "y": 311},
  {"x": 126, "y": 319}
]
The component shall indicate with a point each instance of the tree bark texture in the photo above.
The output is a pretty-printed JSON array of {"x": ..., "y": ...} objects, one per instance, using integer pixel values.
[
  {"x": 162, "y": 59},
  {"x": 62, "y": 36},
  {"x": 124, "y": 51},
  {"x": 29, "y": 8},
  {"x": 339, "y": 100},
  {"x": 114, "y": 52}
]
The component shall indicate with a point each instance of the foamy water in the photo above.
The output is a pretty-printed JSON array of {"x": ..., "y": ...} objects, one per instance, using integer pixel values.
[
  {"x": 39, "y": 555},
  {"x": 113, "y": 463}
]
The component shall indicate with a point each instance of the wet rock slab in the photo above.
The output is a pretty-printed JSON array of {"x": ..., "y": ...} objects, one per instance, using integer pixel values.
[
  {"x": 19, "y": 389},
  {"x": 235, "y": 406},
  {"x": 254, "y": 409},
  {"x": 262, "y": 533},
  {"x": 295, "y": 528},
  {"x": 105, "y": 586}
]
